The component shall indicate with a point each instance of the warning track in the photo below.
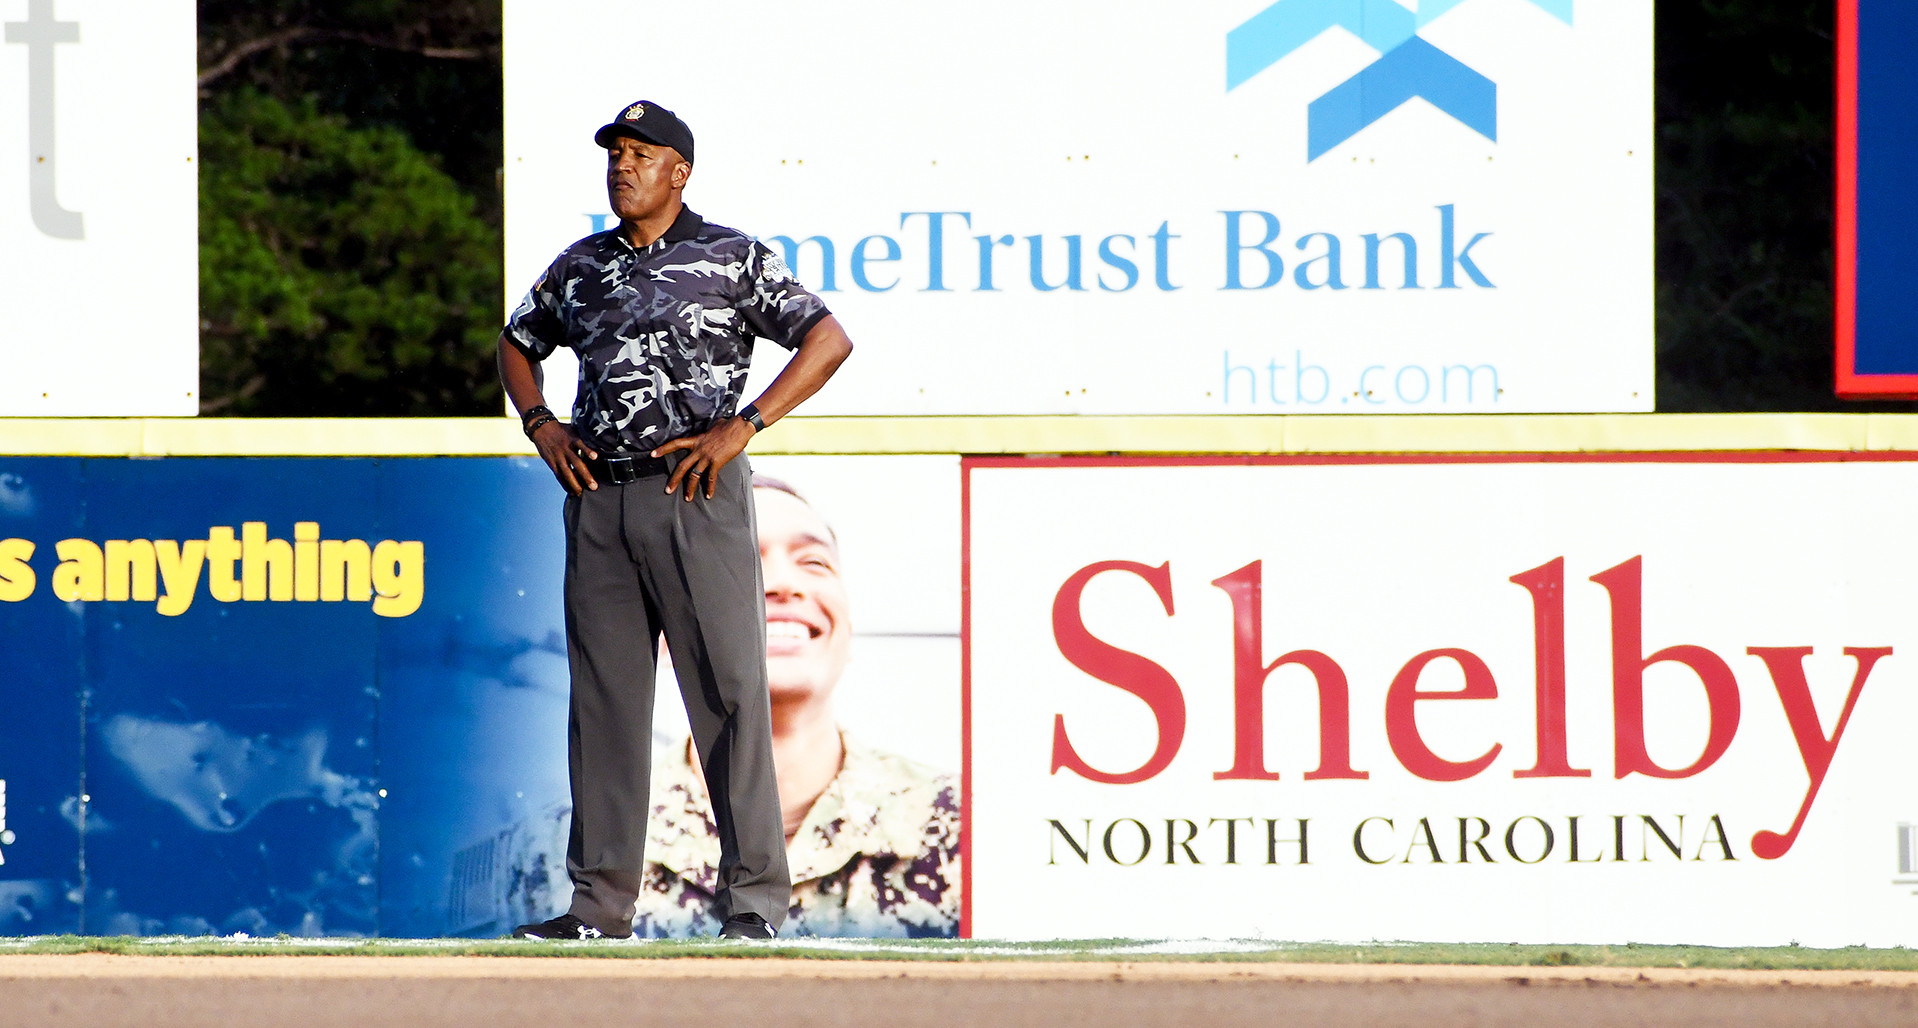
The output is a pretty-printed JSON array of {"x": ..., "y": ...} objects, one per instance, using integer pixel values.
[{"x": 164, "y": 991}]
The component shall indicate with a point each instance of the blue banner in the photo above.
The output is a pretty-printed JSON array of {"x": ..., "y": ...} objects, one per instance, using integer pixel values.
[
  {"x": 303, "y": 696},
  {"x": 1877, "y": 151}
]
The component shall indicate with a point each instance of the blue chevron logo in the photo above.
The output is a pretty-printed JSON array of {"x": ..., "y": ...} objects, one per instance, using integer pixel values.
[{"x": 1407, "y": 66}]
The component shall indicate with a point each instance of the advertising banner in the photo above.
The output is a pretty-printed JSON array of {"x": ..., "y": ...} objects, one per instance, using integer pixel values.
[
  {"x": 1877, "y": 156},
  {"x": 329, "y": 696},
  {"x": 99, "y": 208},
  {"x": 1237, "y": 206},
  {"x": 1579, "y": 698}
]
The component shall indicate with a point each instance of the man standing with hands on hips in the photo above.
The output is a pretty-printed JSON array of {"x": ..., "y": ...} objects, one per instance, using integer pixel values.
[{"x": 660, "y": 538}]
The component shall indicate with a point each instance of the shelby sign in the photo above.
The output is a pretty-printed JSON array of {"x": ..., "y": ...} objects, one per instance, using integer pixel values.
[
  {"x": 1596, "y": 701},
  {"x": 1237, "y": 206}
]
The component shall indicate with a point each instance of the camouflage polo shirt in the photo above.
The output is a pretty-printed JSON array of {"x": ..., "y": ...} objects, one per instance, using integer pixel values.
[
  {"x": 663, "y": 333},
  {"x": 876, "y": 857}
]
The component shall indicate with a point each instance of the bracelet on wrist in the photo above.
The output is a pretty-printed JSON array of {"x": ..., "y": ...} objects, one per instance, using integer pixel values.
[{"x": 538, "y": 422}]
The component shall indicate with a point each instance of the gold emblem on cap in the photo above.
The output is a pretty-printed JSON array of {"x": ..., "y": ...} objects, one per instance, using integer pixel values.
[{"x": 633, "y": 112}]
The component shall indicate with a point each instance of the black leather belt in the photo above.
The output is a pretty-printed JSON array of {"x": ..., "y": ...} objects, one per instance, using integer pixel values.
[{"x": 620, "y": 468}]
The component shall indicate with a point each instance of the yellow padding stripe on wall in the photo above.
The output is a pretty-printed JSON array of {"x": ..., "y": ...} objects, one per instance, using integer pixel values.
[{"x": 1508, "y": 433}]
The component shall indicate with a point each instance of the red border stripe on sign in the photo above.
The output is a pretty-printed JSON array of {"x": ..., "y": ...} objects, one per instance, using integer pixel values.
[{"x": 965, "y": 697}]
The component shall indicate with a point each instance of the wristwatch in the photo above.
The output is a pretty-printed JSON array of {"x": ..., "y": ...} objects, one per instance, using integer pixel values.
[
  {"x": 751, "y": 414},
  {"x": 536, "y": 418}
]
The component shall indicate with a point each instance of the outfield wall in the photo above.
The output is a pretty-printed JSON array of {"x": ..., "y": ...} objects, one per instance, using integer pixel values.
[{"x": 386, "y": 756}]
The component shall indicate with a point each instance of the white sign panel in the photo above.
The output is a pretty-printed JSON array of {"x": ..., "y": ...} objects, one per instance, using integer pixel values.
[
  {"x": 99, "y": 208},
  {"x": 1657, "y": 699},
  {"x": 1235, "y": 206}
]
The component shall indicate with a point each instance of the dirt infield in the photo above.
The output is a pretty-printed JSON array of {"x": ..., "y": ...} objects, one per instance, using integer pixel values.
[{"x": 162, "y": 992}]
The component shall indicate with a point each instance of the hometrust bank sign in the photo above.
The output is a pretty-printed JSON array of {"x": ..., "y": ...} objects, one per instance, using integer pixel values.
[
  {"x": 1293, "y": 207},
  {"x": 1535, "y": 705}
]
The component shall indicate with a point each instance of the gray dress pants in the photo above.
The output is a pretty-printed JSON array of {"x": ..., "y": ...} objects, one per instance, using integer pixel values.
[{"x": 639, "y": 563}]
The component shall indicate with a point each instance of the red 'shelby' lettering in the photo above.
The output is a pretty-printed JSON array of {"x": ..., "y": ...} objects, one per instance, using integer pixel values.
[
  {"x": 1546, "y": 583},
  {"x": 1114, "y": 666},
  {"x": 1249, "y": 675},
  {"x": 1402, "y": 730},
  {"x": 1626, "y": 585},
  {"x": 1787, "y": 667}
]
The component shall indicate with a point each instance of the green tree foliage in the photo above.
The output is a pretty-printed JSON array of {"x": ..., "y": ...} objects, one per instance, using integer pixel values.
[
  {"x": 430, "y": 68},
  {"x": 343, "y": 273},
  {"x": 350, "y": 207}
]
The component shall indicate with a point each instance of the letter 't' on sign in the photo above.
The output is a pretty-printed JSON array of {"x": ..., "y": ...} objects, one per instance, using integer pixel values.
[{"x": 39, "y": 34}]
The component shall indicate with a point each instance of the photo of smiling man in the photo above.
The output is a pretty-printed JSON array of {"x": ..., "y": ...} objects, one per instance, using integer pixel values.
[{"x": 872, "y": 837}]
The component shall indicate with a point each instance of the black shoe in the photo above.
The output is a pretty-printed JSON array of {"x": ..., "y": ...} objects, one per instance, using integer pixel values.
[
  {"x": 747, "y": 926},
  {"x": 565, "y": 926}
]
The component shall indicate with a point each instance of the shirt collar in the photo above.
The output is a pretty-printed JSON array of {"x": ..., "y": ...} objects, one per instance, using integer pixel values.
[{"x": 686, "y": 226}]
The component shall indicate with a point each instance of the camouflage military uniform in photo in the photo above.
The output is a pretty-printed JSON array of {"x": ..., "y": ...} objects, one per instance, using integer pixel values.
[
  {"x": 877, "y": 856},
  {"x": 663, "y": 333}
]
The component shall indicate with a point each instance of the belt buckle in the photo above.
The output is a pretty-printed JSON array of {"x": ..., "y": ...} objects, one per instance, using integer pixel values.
[{"x": 621, "y": 470}]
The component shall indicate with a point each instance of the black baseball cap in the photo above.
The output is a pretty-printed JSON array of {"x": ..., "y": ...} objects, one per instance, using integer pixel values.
[{"x": 648, "y": 122}]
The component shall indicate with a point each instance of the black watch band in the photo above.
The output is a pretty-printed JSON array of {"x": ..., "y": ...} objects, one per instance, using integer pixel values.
[
  {"x": 535, "y": 418},
  {"x": 751, "y": 414}
]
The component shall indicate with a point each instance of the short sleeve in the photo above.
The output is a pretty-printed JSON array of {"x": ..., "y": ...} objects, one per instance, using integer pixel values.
[
  {"x": 535, "y": 325},
  {"x": 776, "y": 306}
]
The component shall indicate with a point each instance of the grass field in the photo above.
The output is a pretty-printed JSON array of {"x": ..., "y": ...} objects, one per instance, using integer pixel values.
[{"x": 1856, "y": 958}]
